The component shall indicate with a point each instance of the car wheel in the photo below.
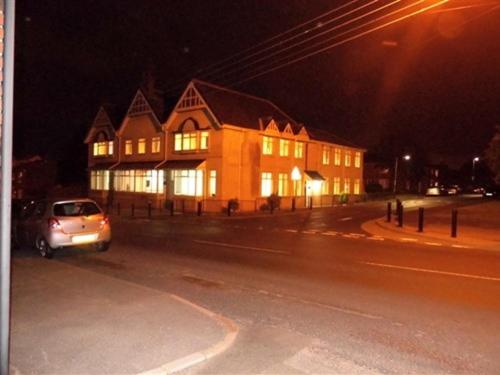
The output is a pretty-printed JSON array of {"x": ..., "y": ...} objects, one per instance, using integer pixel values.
[
  {"x": 102, "y": 246},
  {"x": 44, "y": 248}
]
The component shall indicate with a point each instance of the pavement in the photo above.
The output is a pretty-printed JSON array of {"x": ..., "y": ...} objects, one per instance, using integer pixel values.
[
  {"x": 478, "y": 227},
  {"x": 68, "y": 320}
]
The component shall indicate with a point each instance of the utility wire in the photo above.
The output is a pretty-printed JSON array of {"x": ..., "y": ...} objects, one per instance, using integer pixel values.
[
  {"x": 280, "y": 51},
  {"x": 346, "y": 40},
  {"x": 177, "y": 85}
]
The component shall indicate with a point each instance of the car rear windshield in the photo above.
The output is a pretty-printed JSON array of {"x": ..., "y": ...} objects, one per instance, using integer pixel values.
[{"x": 76, "y": 209}]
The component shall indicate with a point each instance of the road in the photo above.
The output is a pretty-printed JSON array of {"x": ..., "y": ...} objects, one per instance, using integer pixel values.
[{"x": 312, "y": 293}]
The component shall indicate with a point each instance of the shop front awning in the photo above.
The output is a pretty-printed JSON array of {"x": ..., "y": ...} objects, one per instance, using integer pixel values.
[
  {"x": 135, "y": 165},
  {"x": 181, "y": 164},
  {"x": 314, "y": 175}
]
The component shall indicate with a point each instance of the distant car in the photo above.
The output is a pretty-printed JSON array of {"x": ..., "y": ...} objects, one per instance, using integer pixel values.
[
  {"x": 453, "y": 190},
  {"x": 52, "y": 224},
  {"x": 492, "y": 192},
  {"x": 435, "y": 191}
]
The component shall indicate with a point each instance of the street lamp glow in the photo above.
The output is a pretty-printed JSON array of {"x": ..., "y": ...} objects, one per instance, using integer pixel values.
[
  {"x": 476, "y": 159},
  {"x": 407, "y": 157},
  {"x": 296, "y": 174}
]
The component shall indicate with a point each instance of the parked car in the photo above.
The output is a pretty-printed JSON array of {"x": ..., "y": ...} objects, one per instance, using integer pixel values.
[
  {"x": 52, "y": 224},
  {"x": 492, "y": 192},
  {"x": 436, "y": 190}
]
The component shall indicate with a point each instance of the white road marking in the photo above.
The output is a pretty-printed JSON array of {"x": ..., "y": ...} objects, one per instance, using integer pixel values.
[
  {"x": 312, "y": 231},
  {"x": 407, "y": 239},
  {"x": 446, "y": 273},
  {"x": 329, "y": 233},
  {"x": 346, "y": 218},
  {"x": 273, "y": 251},
  {"x": 291, "y": 230},
  {"x": 461, "y": 246},
  {"x": 434, "y": 243},
  {"x": 375, "y": 238},
  {"x": 358, "y": 234}
]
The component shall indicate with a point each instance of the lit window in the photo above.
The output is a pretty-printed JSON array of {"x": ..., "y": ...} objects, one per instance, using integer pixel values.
[
  {"x": 299, "y": 150},
  {"x": 139, "y": 181},
  {"x": 212, "y": 185},
  {"x": 356, "y": 186},
  {"x": 282, "y": 184},
  {"x": 204, "y": 140},
  {"x": 155, "y": 145},
  {"x": 128, "y": 147},
  {"x": 102, "y": 148},
  {"x": 337, "y": 156},
  {"x": 267, "y": 145},
  {"x": 326, "y": 155},
  {"x": 347, "y": 185},
  {"x": 347, "y": 158},
  {"x": 141, "y": 146},
  {"x": 189, "y": 141},
  {"x": 336, "y": 185},
  {"x": 178, "y": 142},
  {"x": 188, "y": 182},
  {"x": 325, "y": 187},
  {"x": 110, "y": 148},
  {"x": 357, "y": 159},
  {"x": 95, "y": 151},
  {"x": 266, "y": 184},
  {"x": 99, "y": 180},
  {"x": 284, "y": 145}
]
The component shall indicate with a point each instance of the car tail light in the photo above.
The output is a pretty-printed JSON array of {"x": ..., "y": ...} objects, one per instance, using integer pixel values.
[
  {"x": 105, "y": 220},
  {"x": 53, "y": 223}
]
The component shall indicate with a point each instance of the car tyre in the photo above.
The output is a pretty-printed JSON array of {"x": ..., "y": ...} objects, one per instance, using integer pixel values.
[
  {"x": 102, "y": 246},
  {"x": 44, "y": 248}
]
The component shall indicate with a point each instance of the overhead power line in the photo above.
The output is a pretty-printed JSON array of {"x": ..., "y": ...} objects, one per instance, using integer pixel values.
[{"x": 341, "y": 42}]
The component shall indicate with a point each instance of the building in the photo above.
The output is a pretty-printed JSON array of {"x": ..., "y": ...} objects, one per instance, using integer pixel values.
[
  {"x": 216, "y": 145},
  {"x": 33, "y": 177}
]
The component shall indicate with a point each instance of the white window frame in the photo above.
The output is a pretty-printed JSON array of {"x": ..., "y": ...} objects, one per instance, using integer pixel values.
[
  {"x": 299, "y": 150},
  {"x": 325, "y": 155},
  {"x": 128, "y": 147},
  {"x": 283, "y": 184},
  {"x": 141, "y": 146},
  {"x": 284, "y": 147},
  {"x": 267, "y": 145},
  {"x": 155, "y": 145},
  {"x": 266, "y": 185}
]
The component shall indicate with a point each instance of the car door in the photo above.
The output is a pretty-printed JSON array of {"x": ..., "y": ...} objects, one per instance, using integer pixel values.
[{"x": 31, "y": 226}]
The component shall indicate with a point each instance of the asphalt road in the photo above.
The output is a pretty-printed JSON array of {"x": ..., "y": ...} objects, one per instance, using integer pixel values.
[{"x": 313, "y": 293}]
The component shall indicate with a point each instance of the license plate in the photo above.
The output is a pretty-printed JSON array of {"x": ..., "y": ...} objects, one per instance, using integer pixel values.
[{"x": 84, "y": 238}]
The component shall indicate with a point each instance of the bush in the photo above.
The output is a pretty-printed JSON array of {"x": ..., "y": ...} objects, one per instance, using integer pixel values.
[
  {"x": 274, "y": 201},
  {"x": 233, "y": 204}
]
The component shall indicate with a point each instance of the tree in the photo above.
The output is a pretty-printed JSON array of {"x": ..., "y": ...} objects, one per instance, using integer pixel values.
[{"x": 493, "y": 155}]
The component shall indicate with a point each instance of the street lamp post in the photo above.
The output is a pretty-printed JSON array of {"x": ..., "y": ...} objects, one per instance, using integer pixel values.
[
  {"x": 406, "y": 157},
  {"x": 474, "y": 161}
]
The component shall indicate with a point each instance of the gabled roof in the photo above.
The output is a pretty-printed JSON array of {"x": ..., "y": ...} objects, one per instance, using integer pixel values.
[
  {"x": 235, "y": 108},
  {"x": 102, "y": 122},
  {"x": 326, "y": 136}
]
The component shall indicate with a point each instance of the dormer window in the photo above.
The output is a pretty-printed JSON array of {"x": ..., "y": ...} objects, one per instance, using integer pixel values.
[
  {"x": 141, "y": 146},
  {"x": 191, "y": 141},
  {"x": 103, "y": 148},
  {"x": 128, "y": 147},
  {"x": 155, "y": 145}
]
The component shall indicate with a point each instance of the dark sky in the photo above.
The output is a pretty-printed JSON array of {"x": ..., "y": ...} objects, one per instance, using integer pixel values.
[{"x": 436, "y": 91}]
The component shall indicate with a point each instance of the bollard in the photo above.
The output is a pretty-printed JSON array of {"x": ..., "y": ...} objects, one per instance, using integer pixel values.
[
  {"x": 172, "y": 206},
  {"x": 310, "y": 203},
  {"x": 400, "y": 216},
  {"x": 293, "y": 204},
  {"x": 454, "y": 222},
  {"x": 118, "y": 208},
  {"x": 420, "y": 219},
  {"x": 199, "y": 208},
  {"x": 389, "y": 211},
  {"x": 271, "y": 206},
  {"x": 133, "y": 209},
  {"x": 149, "y": 210},
  {"x": 228, "y": 208}
]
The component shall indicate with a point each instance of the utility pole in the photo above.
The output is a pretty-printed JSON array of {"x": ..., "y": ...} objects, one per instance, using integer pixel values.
[{"x": 7, "y": 15}]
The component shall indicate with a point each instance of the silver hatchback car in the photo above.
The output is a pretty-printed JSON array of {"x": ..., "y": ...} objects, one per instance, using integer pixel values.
[{"x": 53, "y": 224}]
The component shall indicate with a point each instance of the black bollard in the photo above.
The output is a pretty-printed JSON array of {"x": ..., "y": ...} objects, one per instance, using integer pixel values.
[
  {"x": 172, "y": 206},
  {"x": 149, "y": 210},
  {"x": 310, "y": 203},
  {"x": 118, "y": 208},
  {"x": 133, "y": 210},
  {"x": 389, "y": 211},
  {"x": 293, "y": 204},
  {"x": 454, "y": 222},
  {"x": 199, "y": 208},
  {"x": 420, "y": 219},
  {"x": 400, "y": 216}
]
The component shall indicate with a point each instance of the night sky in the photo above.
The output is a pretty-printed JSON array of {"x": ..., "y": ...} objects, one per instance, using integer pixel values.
[{"x": 433, "y": 87}]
